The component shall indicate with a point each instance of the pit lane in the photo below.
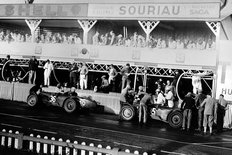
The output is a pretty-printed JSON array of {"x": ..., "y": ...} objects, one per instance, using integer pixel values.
[{"x": 156, "y": 137}]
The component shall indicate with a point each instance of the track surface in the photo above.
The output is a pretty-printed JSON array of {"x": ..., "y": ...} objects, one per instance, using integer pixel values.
[{"x": 156, "y": 137}]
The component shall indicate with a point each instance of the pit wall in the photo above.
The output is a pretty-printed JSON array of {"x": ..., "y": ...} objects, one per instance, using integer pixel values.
[{"x": 20, "y": 91}]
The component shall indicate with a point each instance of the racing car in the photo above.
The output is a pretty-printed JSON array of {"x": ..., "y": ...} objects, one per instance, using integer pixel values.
[
  {"x": 68, "y": 101},
  {"x": 173, "y": 117}
]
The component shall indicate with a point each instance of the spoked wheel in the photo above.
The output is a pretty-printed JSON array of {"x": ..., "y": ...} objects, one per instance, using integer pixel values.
[
  {"x": 32, "y": 100},
  {"x": 127, "y": 113},
  {"x": 70, "y": 105},
  {"x": 175, "y": 119}
]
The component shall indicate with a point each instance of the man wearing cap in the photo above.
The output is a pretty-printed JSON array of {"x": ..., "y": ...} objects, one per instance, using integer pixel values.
[
  {"x": 48, "y": 68},
  {"x": 83, "y": 76},
  {"x": 104, "y": 85},
  {"x": 187, "y": 105}
]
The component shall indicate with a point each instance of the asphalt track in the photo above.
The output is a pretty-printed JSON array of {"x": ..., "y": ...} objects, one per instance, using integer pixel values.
[{"x": 155, "y": 137}]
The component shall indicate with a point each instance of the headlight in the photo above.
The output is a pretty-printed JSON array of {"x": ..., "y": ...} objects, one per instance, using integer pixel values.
[{"x": 82, "y": 103}]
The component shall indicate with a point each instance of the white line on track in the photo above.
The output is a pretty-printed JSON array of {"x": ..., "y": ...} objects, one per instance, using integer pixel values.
[
  {"x": 89, "y": 138},
  {"x": 127, "y": 145},
  {"x": 11, "y": 125},
  {"x": 167, "y": 152},
  {"x": 51, "y": 132},
  {"x": 121, "y": 132}
]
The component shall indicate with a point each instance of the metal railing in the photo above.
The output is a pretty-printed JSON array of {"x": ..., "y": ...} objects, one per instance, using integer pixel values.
[{"x": 51, "y": 146}]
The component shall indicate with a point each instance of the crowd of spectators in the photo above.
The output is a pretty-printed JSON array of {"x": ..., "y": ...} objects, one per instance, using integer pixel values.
[
  {"x": 9, "y": 36},
  {"x": 160, "y": 40}
]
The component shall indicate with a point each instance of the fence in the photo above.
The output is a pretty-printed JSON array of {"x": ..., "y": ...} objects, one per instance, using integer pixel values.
[{"x": 51, "y": 146}]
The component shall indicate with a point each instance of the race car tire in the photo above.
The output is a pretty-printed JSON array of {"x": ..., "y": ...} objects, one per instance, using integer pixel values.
[
  {"x": 70, "y": 105},
  {"x": 175, "y": 119},
  {"x": 32, "y": 100},
  {"x": 127, "y": 113}
]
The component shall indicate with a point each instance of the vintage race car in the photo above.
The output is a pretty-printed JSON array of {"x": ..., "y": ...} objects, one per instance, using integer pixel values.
[
  {"x": 69, "y": 102},
  {"x": 173, "y": 117}
]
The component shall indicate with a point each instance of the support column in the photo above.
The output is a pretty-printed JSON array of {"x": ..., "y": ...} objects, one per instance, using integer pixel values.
[
  {"x": 33, "y": 24},
  {"x": 148, "y": 26},
  {"x": 215, "y": 28},
  {"x": 86, "y": 25}
]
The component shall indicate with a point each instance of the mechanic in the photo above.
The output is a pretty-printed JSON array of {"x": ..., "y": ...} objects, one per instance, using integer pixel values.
[
  {"x": 145, "y": 101},
  {"x": 200, "y": 97},
  {"x": 8, "y": 71},
  {"x": 112, "y": 75},
  {"x": 33, "y": 67},
  {"x": 209, "y": 113},
  {"x": 169, "y": 97},
  {"x": 83, "y": 76},
  {"x": 48, "y": 68},
  {"x": 125, "y": 72},
  {"x": 222, "y": 106},
  {"x": 160, "y": 101},
  {"x": 104, "y": 85},
  {"x": 73, "y": 69},
  {"x": 187, "y": 105}
]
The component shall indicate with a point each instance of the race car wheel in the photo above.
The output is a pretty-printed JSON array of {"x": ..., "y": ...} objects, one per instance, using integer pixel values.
[
  {"x": 175, "y": 119},
  {"x": 127, "y": 113},
  {"x": 32, "y": 100},
  {"x": 70, "y": 105}
]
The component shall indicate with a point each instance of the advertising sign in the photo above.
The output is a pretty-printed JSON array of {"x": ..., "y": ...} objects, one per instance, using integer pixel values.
[
  {"x": 201, "y": 10},
  {"x": 43, "y": 10}
]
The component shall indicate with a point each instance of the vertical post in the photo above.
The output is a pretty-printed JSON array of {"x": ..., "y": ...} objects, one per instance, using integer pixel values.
[
  {"x": 60, "y": 147},
  {"x": 33, "y": 24},
  {"x": 215, "y": 28},
  {"x": 52, "y": 147},
  {"x": 74, "y": 149},
  {"x": 90, "y": 152},
  {"x": 3, "y": 139},
  {"x": 16, "y": 143},
  {"x": 99, "y": 146},
  {"x": 86, "y": 25},
  {"x": 9, "y": 139},
  {"x": 45, "y": 146},
  {"x": 31, "y": 143},
  {"x": 83, "y": 151},
  {"x": 38, "y": 145},
  {"x": 148, "y": 26}
]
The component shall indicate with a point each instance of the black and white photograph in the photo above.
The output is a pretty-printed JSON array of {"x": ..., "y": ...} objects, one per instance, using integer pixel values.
[{"x": 115, "y": 77}]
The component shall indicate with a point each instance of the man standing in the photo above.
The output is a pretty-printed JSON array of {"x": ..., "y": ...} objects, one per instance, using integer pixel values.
[
  {"x": 8, "y": 75},
  {"x": 169, "y": 97},
  {"x": 33, "y": 67},
  {"x": 187, "y": 105},
  {"x": 209, "y": 112},
  {"x": 83, "y": 76},
  {"x": 221, "y": 108},
  {"x": 147, "y": 99},
  {"x": 198, "y": 100},
  {"x": 125, "y": 72},
  {"x": 112, "y": 75},
  {"x": 48, "y": 68},
  {"x": 73, "y": 69}
]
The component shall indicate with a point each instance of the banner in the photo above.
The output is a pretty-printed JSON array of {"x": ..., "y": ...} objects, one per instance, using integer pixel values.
[
  {"x": 177, "y": 10},
  {"x": 43, "y": 10}
]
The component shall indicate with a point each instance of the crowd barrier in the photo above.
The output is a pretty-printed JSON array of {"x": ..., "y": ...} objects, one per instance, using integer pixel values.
[{"x": 43, "y": 145}]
